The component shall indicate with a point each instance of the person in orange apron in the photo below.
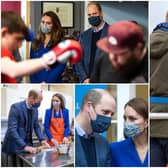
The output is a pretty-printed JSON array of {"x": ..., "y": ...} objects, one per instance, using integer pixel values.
[{"x": 56, "y": 123}]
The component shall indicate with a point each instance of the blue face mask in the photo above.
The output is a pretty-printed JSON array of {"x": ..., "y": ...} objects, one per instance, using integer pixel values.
[
  {"x": 101, "y": 123},
  {"x": 36, "y": 105},
  {"x": 131, "y": 130},
  {"x": 94, "y": 20},
  {"x": 45, "y": 29},
  {"x": 56, "y": 104}
]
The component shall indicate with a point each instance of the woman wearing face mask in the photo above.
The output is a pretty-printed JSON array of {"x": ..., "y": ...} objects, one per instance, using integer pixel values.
[
  {"x": 133, "y": 151},
  {"x": 50, "y": 33},
  {"x": 56, "y": 123}
]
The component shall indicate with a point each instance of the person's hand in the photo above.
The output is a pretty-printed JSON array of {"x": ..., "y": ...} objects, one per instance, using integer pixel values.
[
  {"x": 54, "y": 142},
  {"x": 30, "y": 149},
  {"x": 65, "y": 140},
  {"x": 86, "y": 80},
  {"x": 68, "y": 50},
  {"x": 44, "y": 142}
]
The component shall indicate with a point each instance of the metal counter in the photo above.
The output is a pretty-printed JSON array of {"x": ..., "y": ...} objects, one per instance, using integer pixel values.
[{"x": 47, "y": 158}]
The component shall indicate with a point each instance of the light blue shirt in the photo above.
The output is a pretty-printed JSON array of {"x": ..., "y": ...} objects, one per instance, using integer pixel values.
[
  {"x": 100, "y": 28},
  {"x": 81, "y": 132}
]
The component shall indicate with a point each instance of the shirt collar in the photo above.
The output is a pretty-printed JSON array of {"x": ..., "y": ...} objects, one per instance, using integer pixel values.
[
  {"x": 27, "y": 105},
  {"x": 100, "y": 28},
  {"x": 81, "y": 132}
]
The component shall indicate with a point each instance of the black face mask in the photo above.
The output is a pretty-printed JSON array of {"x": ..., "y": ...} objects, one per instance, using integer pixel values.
[
  {"x": 94, "y": 20},
  {"x": 101, "y": 123},
  {"x": 36, "y": 105}
]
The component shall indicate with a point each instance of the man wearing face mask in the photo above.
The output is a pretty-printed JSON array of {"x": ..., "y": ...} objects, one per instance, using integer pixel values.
[
  {"x": 94, "y": 117},
  {"x": 23, "y": 118},
  {"x": 88, "y": 41}
]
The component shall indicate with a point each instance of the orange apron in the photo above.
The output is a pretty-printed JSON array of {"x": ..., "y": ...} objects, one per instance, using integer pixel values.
[{"x": 56, "y": 128}]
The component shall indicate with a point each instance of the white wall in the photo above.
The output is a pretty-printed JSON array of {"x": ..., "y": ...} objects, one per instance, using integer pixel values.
[
  {"x": 20, "y": 92},
  {"x": 157, "y": 13},
  {"x": 124, "y": 94}
]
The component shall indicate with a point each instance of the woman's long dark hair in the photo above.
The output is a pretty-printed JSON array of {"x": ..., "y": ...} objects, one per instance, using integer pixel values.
[
  {"x": 140, "y": 106},
  {"x": 57, "y": 32}
]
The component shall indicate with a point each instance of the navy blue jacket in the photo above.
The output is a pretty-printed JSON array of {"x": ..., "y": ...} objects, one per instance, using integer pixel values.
[
  {"x": 103, "y": 154},
  {"x": 82, "y": 67},
  {"x": 15, "y": 138},
  {"x": 53, "y": 75}
]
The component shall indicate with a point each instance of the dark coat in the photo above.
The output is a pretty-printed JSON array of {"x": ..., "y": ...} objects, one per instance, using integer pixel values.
[
  {"x": 159, "y": 80},
  {"x": 82, "y": 67},
  {"x": 103, "y": 72},
  {"x": 103, "y": 154},
  {"x": 14, "y": 141}
]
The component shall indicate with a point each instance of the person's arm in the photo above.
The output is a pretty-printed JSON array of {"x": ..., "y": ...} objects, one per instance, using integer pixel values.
[
  {"x": 13, "y": 124},
  {"x": 47, "y": 124},
  {"x": 60, "y": 53},
  {"x": 17, "y": 69},
  {"x": 37, "y": 128},
  {"x": 66, "y": 123}
]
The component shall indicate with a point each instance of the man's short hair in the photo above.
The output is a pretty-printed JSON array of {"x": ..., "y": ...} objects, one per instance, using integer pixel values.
[
  {"x": 13, "y": 22},
  {"x": 93, "y": 96},
  {"x": 97, "y": 4},
  {"x": 33, "y": 93}
]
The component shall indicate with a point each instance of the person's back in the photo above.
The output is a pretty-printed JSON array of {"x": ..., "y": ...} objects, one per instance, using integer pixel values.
[
  {"x": 159, "y": 95},
  {"x": 158, "y": 64}
]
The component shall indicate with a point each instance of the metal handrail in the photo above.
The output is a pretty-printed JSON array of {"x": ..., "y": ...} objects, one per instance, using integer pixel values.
[{"x": 159, "y": 116}]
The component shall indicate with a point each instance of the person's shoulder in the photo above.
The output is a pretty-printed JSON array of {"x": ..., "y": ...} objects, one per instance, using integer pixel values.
[
  {"x": 159, "y": 34},
  {"x": 18, "y": 104},
  {"x": 100, "y": 138},
  {"x": 86, "y": 32},
  {"x": 18, "y": 107},
  {"x": 48, "y": 110},
  {"x": 106, "y": 25},
  {"x": 120, "y": 144},
  {"x": 6, "y": 54},
  {"x": 65, "y": 110}
]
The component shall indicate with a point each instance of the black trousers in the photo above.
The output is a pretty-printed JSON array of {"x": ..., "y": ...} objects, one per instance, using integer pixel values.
[
  {"x": 158, "y": 152},
  {"x": 8, "y": 160}
]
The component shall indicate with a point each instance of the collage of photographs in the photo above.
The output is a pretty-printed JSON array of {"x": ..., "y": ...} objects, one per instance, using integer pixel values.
[{"x": 84, "y": 83}]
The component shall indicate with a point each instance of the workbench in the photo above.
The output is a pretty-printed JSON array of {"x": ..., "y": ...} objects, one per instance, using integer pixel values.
[{"x": 47, "y": 158}]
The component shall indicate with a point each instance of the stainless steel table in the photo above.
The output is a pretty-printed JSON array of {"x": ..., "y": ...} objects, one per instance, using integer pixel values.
[{"x": 47, "y": 158}]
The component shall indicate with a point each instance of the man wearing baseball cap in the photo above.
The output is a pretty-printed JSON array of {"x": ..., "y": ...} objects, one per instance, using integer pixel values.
[{"x": 125, "y": 59}]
